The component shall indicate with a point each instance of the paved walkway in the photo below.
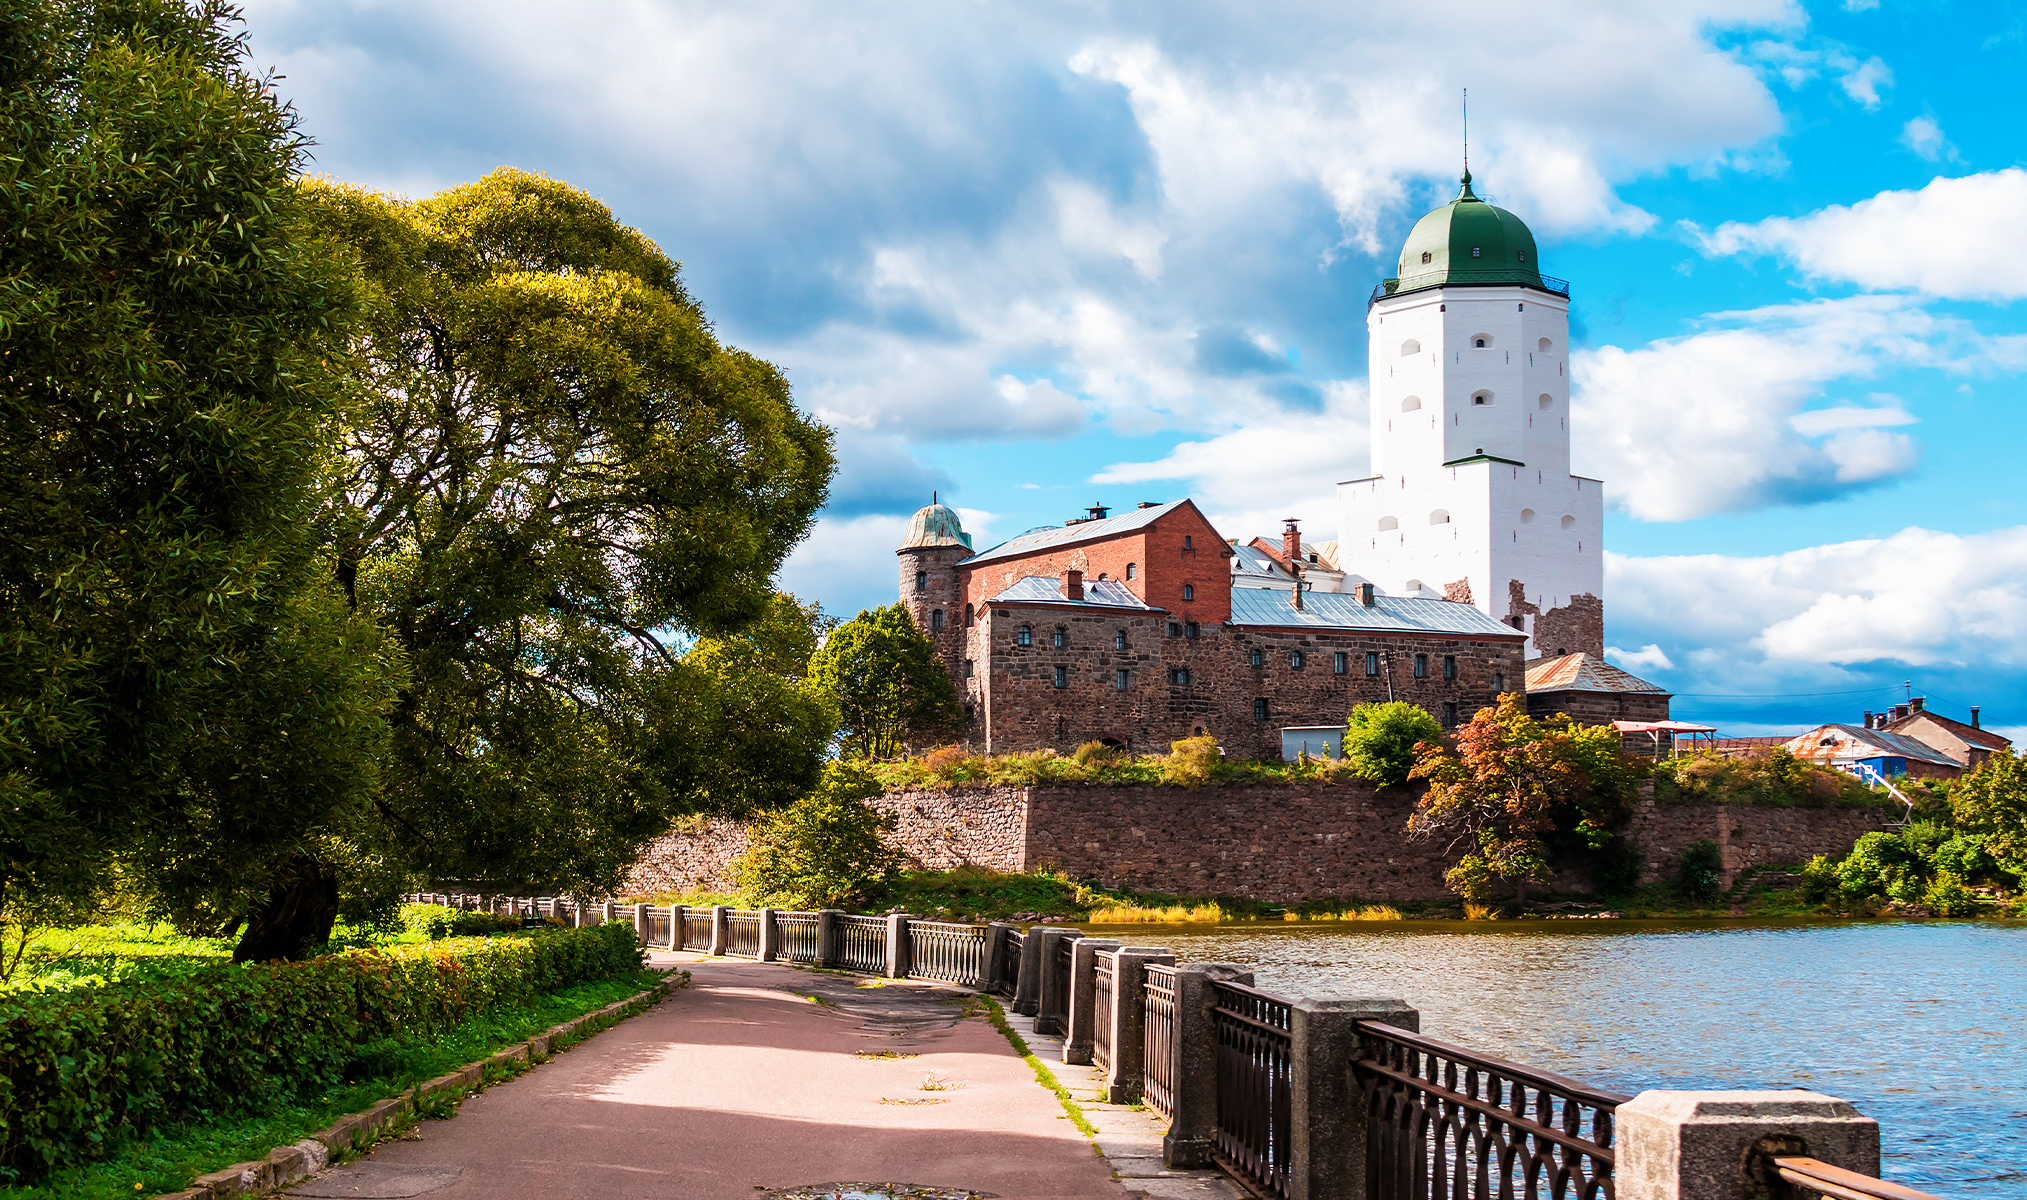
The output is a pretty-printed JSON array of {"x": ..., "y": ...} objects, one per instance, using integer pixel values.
[{"x": 742, "y": 1086}]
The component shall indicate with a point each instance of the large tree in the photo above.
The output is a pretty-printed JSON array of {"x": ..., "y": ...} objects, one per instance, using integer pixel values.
[
  {"x": 565, "y": 500},
  {"x": 184, "y": 700},
  {"x": 888, "y": 684}
]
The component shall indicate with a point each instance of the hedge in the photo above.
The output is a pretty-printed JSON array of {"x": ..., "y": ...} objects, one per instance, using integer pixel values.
[
  {"x": 82, "y": 1071},
  {"x": 436, "y": 921}
]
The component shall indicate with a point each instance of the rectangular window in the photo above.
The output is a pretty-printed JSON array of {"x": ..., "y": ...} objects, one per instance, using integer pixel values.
[
  {"x": 1189, "y": 629},
  {"x": 1295, "y": 659},
  {"x": 1188, "y": 542},
  {"x": 1450, "y": 668},
  {"x": 1421, "y": 666},
  {"x": 1119, "y": 640},
  {"x": 1189, "y": 591},
  {"x": 921, "y": 581},
  {"x": 1059, "y": 638},
  {"x": 1498, "y": 681},
  {"x": 969, "y": 666},
  {"x": 1062, "y": 677},
  {"x": 1024, "y": 636},
  {"x": 936, "y": 621},
  {"x": 1119, "y": 679},
  {"x": 1259, "y": 710},
  {"x": 1257, "y": 658},
  {"x": 1341, "y": 663},
  {"x": 1449, "y": 714},
  {"x": 1372, "y": 662},
  {"x": 1178, "y": 678},
  {"x": 1175, "y": 629}
]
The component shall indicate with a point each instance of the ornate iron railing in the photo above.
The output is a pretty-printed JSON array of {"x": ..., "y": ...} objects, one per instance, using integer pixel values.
[
  {"x": 1059, "y": 998},
  {"x": 1009, "y": 981},
  {"x": 862, "y": 944},
  {"x": 742, "y": 933},
  {"x": 799, "y": 941},
  {"x": 1101, "y": 1005},
  {"x": 655, "y": 929},
  {"x": 697, "y": 929},
  {"x": 1797, "y": 1178},
  {"x": 1255, "y": 1063},
  {"x": 1445, "y": 1123},
  {"x": 946, "y": 951},
  {"x": 1158, "y": 1063},
  {"x": 1422, "y": 283}
]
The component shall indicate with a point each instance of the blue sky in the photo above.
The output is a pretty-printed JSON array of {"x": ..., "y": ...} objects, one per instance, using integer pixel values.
[{"x": 1035, "y": 256}]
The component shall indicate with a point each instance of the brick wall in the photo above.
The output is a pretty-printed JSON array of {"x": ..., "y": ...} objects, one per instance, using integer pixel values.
[
  {"x": 1181, "y": 548},
  {"x": 1745, "y": 836}
]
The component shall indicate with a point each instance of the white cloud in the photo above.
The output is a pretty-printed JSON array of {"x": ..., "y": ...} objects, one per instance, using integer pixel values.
[
  {"x": 847, "y": 563},
  {"x": 1714, "y": 421},
  {"x": 1647, "y": 658},
  {"x": 1862, "y": 81},
  {"x": 1958, "y": 237},
  {"x": 1923, "y": 136}
]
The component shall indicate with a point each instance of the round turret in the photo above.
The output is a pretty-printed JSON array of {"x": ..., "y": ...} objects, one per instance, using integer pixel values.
[
  {"x": 935, "y": 525},
  {"x": 1467, "y": 243}
]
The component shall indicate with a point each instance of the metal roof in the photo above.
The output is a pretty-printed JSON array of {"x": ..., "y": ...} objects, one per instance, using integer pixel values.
[
  {"x": 1048, "y": 589},
  {"x": 1248, "y": 560},
  {"x": 1982, "y": 738},
  {"x": 1852, "y": 742},
  {"x": 1082, "y": 531},
  {"x": 1341, "y": 610},
  {"x": 1582, "y": 673}
]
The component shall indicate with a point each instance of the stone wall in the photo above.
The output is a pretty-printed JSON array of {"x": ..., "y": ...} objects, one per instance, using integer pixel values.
[
  {"x": 695, "y": 859},
  {"x": 1746, "y": 837}
]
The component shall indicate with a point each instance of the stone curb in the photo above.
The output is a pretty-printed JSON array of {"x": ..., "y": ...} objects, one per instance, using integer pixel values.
[{"x": 286, "y": 1165}]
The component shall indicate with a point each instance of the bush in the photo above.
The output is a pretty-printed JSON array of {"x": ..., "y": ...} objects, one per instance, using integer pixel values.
[
  {"x": 1696, "y": 874},
  {"x": 823, "y": 851},
  {"x": 1191, "y": 762},
  {"x": 80, "y": 1071},
  {"x": 436, "y": 922},
  {"x": 1380, "y": 740}
]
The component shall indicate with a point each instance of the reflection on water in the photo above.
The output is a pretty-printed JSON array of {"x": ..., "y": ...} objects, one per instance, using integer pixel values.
[{"x": 1919, "y": 1024}]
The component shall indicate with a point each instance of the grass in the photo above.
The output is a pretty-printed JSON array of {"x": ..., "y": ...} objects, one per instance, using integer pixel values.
[{"x": 171, "y": 1158}]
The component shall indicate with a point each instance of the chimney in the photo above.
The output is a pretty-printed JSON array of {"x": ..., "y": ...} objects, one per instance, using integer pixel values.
[
  {"x": 1148, "y": 504},
  {"x": 1296, "y": 595},
  {"x": 1974, "y": 717},
  {"x": 1097, "y": 512},
  {"x": 1073, "y": 585},
  {"x": 1868, "y": 718},
  {"x": 1291, "y": 540},
  {"x": 1365, "y": 594},
  {"x": 1900, "y": 712},
  {"x": 1918, "y": 703}
]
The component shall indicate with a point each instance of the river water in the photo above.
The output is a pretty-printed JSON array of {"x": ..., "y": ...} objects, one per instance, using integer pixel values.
[{"x": 1920, "y": 1024}]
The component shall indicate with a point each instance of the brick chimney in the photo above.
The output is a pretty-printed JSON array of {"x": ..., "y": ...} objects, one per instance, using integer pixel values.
[
  {"x": 1073, "y": 585},
  {"x": 1868, "y": 718},
  {"x": 1974, "y": 717},
  {"x": 1291, "y": 540},
  {"x": 1365, "y": 594},
  {"x": 1900, "y": 712},
  {"x": 1918, "y": 703}
]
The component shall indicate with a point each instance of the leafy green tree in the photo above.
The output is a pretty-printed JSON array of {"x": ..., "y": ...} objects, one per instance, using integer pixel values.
[
  {"x": 183, "y": 699},
  {"x": 823, "y": 851},
  {"x": 1380, "y": 740},
  {"x": 553, "y": 479},
  {"x": 1992, "y": 802},
  {"x": 889, "y": 686}
]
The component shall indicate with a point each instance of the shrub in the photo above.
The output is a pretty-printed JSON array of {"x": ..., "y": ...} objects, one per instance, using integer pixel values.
[
  {"x": 823, "y": 851},
  {"x": 1191, "y": 762},
  {"x": 436, "y": 922},
  {"x": 1696, "y": 873},
  {"x": 1946, "y": 896},
  {"x": 1380, "y": 740},
  {"x": 82, "y": 1070}
]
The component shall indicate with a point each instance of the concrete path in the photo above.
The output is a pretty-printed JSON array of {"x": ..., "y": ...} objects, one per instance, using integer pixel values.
[{"x": 742, "y": 1086}]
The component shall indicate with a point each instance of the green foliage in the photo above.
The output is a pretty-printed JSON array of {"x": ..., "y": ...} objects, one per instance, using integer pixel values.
[
  {"x": 1381, "y": 740},
  {"x": 436, "y": 922},
  {"x": 1696, "y": 872},
  {"x": 823, "y": 851},
  {"x": 81, "y": 1070},
  {"x": 1925, "y": 865},
  {"x": 1771, "y": 778},
  {"x": 183, "y": 696},
  {"x": 1191, "y": 762},
  {"x": 889, "y": 686},
  {"x": 1992, "y": 802}
]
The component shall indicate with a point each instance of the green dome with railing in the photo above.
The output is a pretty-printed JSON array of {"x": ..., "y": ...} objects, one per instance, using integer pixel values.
[{"x": 1469, "y": 243}]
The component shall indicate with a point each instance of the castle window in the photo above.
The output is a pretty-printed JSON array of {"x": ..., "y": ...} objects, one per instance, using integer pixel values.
[
  {"x": 1189, "y": 629},
  {"x": 1477, "y": 252},
  {"x": 1179, "y": 677},
  {"x": 1439, "y": 517},
  {"x": 1412, "y": 404},
  {"x": 1386, "y": 523},
  {"x": 1546, "y": 400},
  {"x": 1119, "y": 640},
  {"x": 1132, "y": 570},
  {"x": 1062, "y": 677},
  {"x": 1295, "y": 659},
  {"x": 1024, "y": 636},
  {"x": 1188, "y": 542},
  {"x": 1499, "y": 681},
  {"x": 1527, "y": 516},
  {"x": 1543, "y": 344},
  {"x": 1450, "y": 668},
  {"x": 1340, "y": 663},
  {"x": 1059, "y": 637},
  {"x": 1259, "y": 710},
  {"x": 1450, "y": 714},
  {"x": 1481, "y": 398},
  {"x": 1427, "y": 258},
  {"x": 1411, "y": 346},
  {"x": 936, "y": 621},
  {"x": 1258, "y": 658},
  {"x": 1421, "y": 666},
  {"x": 1522, "y": 254},
  {"x": 1478, "y": 343},
  {"x": 970, "y": 668},
  {"x": 1175, "y": 629},
  {"x": 1569, "y": 522},
  {"x": 970, "y": 616},
  {"x": 1372, "y": 663},
  {"x": 1189, "y": 591},
  {"x": 1120, "y": 680},
  {"x": 921, "y": 581}
]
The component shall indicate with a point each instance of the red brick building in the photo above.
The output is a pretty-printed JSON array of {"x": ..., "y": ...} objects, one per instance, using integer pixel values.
[{"x": 1129, "y": 630}]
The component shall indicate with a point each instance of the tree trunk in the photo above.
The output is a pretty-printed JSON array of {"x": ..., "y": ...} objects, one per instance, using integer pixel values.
[{"x": 296, "y": 919}]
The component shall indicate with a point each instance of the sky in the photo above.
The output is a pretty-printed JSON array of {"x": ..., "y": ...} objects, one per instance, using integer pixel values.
[{"x": 1037, "y": 256}]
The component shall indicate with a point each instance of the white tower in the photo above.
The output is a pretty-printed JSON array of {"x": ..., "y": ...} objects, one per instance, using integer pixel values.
[{"x": 1471, "y": 495}]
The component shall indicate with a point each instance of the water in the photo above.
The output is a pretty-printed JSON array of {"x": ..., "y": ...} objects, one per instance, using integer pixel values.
[{"x": 1917, "y": 1023}]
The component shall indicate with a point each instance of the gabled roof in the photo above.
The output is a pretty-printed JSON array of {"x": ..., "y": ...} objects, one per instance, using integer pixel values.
[
  {"x": 1069, "y": 535},
  {"x": 1583, "y": 673},
  {"x": 1048, "y": 589},
  {"x": 1249, "y": 560},
  {"x": 1982, "y": 738},
  {"x": 1274, "y": 608},
  {"x": 1828, "y": 743}
]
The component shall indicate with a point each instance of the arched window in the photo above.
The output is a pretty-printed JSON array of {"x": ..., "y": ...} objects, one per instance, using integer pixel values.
[
  {"x": 1427, "y": 258},
  {"x": 1527, "y": 516},
  {"x": 1481, "y": 399},
  {"x": 921, "y": 581},
  {"x": 1569, "y": 522},
  {"x": 1295, "y": 659},
  {"x": 1189, "y": 591},
  {"x": 1412, "y": 587},
  {"x": 1481, "y": 341},
  {"x": 1024, "y": 636},
  {"x": 1522, "y": 254},
  {"x": 1544, "y": 344},
  {"x": 1258, "y": 658},
  {"x": 1119, "y": 640},
  {"x": 970, "y": 616},
  {"x": 1440, "y": 516},
  {"x": 1132, "y": 570},
  {"x": 1546, "y": 400},
  {"x": 1477, "y": 252},
  {"x": 1386, "y": 523},
  {"x": 1059, "y": 637},
  {"x": 936, "y": 621},
  {"x": 1411, "y": 404},
  {"x": 1411, "y": 346}
]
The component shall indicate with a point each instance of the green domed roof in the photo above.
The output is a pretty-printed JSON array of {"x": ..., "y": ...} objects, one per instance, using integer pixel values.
[
  {"x": 1469, "y": 243},
  {"x": 936, "y": 525}
]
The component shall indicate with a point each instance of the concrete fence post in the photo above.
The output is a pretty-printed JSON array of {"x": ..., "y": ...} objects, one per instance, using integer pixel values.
[
  {"x": 1126, "y": 1020},
  {"x": 676, "y": 914},
  {"x": 1716, "y": 1145},
  {"x": 1077, "y": 1031},
  {"x": 1326, "y": 1122},
  {"x": 720, "y": 926},
  {"x": 827, "y": 936},
  {"x": 1028, "y": 987},
  {"x": 608, "y": 911},
  {"x": 994, "y": 967},
  {"x": 1051, "y": 1011},
  {"x": 1195, "y": 1116},
  {"x": 897, "y": 946},
  {"x": 577, "y": 914},
  {"x": 770, "y": 936},
  {"x": 640, "y": 921}
]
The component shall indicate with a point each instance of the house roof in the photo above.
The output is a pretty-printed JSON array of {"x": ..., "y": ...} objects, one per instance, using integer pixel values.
[
  {"x": 1274, "y": 607},
  {"x": 1048, "y": 589},
  {"x": 1050, "y": 537},
  {"x": 1835, "y": 743},
  {"x": 1583, "y": 673},
  {"x": 1982, "y": 738},
  {"x": 1250, "y": 560}
]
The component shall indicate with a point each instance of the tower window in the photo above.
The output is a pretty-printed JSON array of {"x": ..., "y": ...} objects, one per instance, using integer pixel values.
[
  {"x": 1119, "y": 640},
  {"x": 1439, "y": 517},
  {"x": 1189, "y": 629},
  {"x": 1477, "y": 252},
  {"x": 1546, "y": 400},
  {"x": 1411, "y": 346},
  {"x": 1259, "y": 710},
  {"x": 1132, "y": 570},
  {"x": 1059, "y": 637},
  {"x": 1120, "y": 680},
  {"x": 970, "y": 616},
  {"x": 936, "y": 621},
  {"x": 1450, "y": 668},
  {"x": 1569, "y": 522},
  {"x": 1543, "y": 345},
  {"x": 1372, "y": 663},
  {"x": 1179, "y": 677},
  {"x": 1499, "y": 681},
  {"x": 1478, "y": 342},
  {"x": 921, "y": 581},
  {"x": 1527, "y": 516},
  {"x": 969, "y": 668},
  {"x": 1481, "y": 399},
  {"x": 1421, "y": 666},
  {"x": 1427, "y": 258},
  {"x": 1175, "y": 629},
  {"x": 1062, "y": 677},
  {"x": 1523, "y": 255},
  {"x": 1340, "y": 663},
  {"x": 1258, "y": 658},
  {"x": 1295, "y": 659},
  {"x": 1412, "y": 404},
  {"x": 1386, "y": 523},
  {"x": 1449, "y": 714},
  {"x": 1024, "y": 636},
  {"x": 1189, "y": 591},
  {"x": 1188, "y": 542}
]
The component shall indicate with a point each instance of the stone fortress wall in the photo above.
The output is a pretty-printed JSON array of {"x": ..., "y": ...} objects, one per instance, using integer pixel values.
[{"x": 1279, "y": 843}]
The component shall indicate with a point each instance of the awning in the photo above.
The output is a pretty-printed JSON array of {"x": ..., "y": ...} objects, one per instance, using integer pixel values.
[{"x": 1661, "y": 727}]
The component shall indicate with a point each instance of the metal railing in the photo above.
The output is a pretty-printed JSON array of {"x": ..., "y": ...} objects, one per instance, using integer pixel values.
[
  {"x": 1480, "y": 278},
  {"x": 1101, "y": 1004},
  {"x": 742, "y": 933},
  {"x": 1444, "y": 1122},
  {"x": 947, "y": 951},
  {"x": 801, "y": 937},
  {"x": 656, "y": 925},
  {"x": 862, "y": 944},
  {"x": 1256, "y": 1043},
  {"x": 1009, "y": 981},
  {"x": 1159, "y": 1065},
  {"x": 1059, "y": 1001},
  {"x": 696, "y": 929},
  {"x": 1796, "y": 1178}
]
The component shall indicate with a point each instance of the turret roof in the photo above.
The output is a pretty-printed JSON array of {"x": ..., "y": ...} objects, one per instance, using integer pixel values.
[
  {"x": 1469, "y": 243},
  {"x": 935, "y": 525}
]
